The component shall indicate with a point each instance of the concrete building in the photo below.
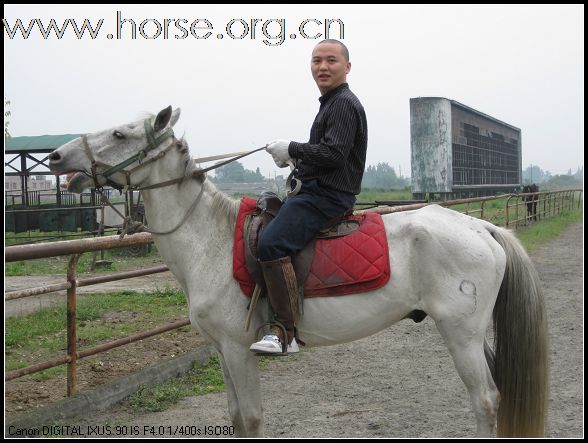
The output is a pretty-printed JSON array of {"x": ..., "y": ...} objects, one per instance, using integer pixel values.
[{"x": 457, "y": 151}]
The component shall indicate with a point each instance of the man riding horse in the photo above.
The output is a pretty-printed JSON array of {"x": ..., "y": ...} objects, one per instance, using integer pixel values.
[{"x": 330, "y": 168}]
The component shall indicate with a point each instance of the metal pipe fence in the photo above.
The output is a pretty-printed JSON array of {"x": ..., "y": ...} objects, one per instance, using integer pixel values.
[
  {"x": 548, "y": 204},
  {"x": 75, "y": 248},
  {"x": 552, "y": 203}
]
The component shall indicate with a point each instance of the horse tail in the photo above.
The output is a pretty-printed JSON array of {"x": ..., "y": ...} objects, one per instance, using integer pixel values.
[{"x": 520, "y": 344}]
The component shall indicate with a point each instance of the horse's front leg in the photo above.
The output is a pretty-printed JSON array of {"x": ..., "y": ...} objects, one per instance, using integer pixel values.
[
  {"x": 243, "y": 391},
  {"x": 239, "y": 365}
]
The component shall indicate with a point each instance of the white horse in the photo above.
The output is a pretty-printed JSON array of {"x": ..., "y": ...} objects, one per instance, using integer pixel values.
[{"x": 461, "y": 271}]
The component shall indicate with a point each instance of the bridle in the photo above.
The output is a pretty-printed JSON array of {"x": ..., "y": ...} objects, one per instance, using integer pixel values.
[
  {"x": 153, "y": 142},
  {"x": 131, "y": 226}
]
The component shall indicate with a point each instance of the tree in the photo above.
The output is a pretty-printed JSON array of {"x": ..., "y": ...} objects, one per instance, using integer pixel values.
[
  {"x": 252, "y": 177},
  {"x": 235, "y": 172},
  {"x": 534, "y": 174},
  {"x": 563, "y": 182},
  {"x": 382, "y": 176}
]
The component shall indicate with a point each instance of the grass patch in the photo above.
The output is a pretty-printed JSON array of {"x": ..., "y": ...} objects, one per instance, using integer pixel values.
[
  {"x": 198, "y": 381},
  {"x": 159, "y": 398},
  {"x": 50, "y": 373},
  {"x": 209, "y": 378},
  {"x": 100, "y": 317},
  {"x": 547, "y": 229},
  {"x": 494, "y": 210},
  {"x": 371, "y": 195},
  {"x": 202, "y": 380},
  {"x": 120, "y": 259}
]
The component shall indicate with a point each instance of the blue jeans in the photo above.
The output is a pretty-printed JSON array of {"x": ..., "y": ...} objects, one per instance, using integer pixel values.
[{"x": 300, "y": 220}]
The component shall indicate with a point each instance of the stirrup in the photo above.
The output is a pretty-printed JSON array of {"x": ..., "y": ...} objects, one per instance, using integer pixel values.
[{"x": 271, "y": 345}]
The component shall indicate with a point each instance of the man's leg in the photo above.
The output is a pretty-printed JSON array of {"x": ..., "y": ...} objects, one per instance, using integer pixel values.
[
  {"x": 282, "y": 293},
  {"x": 299, "y": 221}
]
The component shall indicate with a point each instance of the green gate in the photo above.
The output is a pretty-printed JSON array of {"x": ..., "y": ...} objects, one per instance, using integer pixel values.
[
  {"x": 89, "y": 222},
  {"x": 49, "y": 221},
  {"x": 9, "y": 222}
]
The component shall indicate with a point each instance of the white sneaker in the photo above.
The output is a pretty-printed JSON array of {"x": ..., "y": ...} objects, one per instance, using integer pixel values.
[{"x": 270, "y": 344}]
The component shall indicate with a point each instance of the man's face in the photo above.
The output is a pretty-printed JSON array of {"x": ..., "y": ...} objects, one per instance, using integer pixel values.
[{"x": 329, "y": 67}]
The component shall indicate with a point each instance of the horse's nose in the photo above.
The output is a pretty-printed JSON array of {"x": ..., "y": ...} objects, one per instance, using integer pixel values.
[{"x": 54, "y": 156}]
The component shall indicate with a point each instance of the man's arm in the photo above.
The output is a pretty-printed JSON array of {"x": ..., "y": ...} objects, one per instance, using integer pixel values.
[{"x": 333, "y": 149}]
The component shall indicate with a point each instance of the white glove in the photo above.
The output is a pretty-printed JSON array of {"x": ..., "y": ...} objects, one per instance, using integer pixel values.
[{"x": 279, "y": 151}]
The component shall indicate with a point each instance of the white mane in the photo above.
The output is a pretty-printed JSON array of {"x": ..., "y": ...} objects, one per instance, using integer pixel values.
[{"x": 222, "y": 204}]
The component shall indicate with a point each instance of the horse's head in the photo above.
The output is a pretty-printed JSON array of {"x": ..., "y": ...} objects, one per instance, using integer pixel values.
[{"x": 105, "y": 157}]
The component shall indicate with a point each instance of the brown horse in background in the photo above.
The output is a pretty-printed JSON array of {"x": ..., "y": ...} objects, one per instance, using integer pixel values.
[{"x": 531, "y": 201}]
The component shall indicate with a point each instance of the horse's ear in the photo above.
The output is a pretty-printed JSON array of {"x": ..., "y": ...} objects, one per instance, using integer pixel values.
[
  {"x": 162, "y": 119},
  {"x": 175, "y": 117}
]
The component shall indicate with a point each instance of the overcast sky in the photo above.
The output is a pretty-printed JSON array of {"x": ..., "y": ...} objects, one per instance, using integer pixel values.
[{"x": 522, "y": 64}]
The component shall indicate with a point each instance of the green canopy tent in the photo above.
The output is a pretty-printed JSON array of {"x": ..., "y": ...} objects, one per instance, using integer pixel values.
[{"x": 21, "y": 149}]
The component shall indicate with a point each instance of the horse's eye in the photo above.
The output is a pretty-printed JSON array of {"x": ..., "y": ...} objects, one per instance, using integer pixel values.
[{"x": 118, "y": 135}]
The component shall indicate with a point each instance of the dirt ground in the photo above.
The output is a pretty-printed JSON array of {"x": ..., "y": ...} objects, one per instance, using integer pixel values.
[{"x": 398, "y": 383}]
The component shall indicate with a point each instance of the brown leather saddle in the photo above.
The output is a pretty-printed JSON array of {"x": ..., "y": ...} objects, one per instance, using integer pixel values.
[{"x": 268, "y": 205}]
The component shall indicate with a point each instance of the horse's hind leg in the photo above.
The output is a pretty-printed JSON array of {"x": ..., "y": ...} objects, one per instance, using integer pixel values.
[
  {"x": 243, "y": 391},
  {"x": 465, "y": 341}
]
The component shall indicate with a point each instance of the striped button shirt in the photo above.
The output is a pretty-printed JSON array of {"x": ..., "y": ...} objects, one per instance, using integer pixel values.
[{"x": 335, "y": 153}]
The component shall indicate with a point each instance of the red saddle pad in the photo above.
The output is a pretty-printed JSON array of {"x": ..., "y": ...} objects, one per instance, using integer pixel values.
[{"x": 358, "y": 262}]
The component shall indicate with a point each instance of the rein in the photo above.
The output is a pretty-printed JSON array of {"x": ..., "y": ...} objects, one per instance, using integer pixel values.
[
  {"x": 132, "y": 226},
  {"x": 235, "y": 155}
]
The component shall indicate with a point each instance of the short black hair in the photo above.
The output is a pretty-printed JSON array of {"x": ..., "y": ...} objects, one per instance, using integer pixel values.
[{"x": 343, "y": 47}]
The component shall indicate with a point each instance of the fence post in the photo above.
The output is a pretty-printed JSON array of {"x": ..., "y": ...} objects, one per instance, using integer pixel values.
[
  {"x": 72, "y": 351},
  {"x": 101, "y": 229},
  {"x": 517, "y": 212}
]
